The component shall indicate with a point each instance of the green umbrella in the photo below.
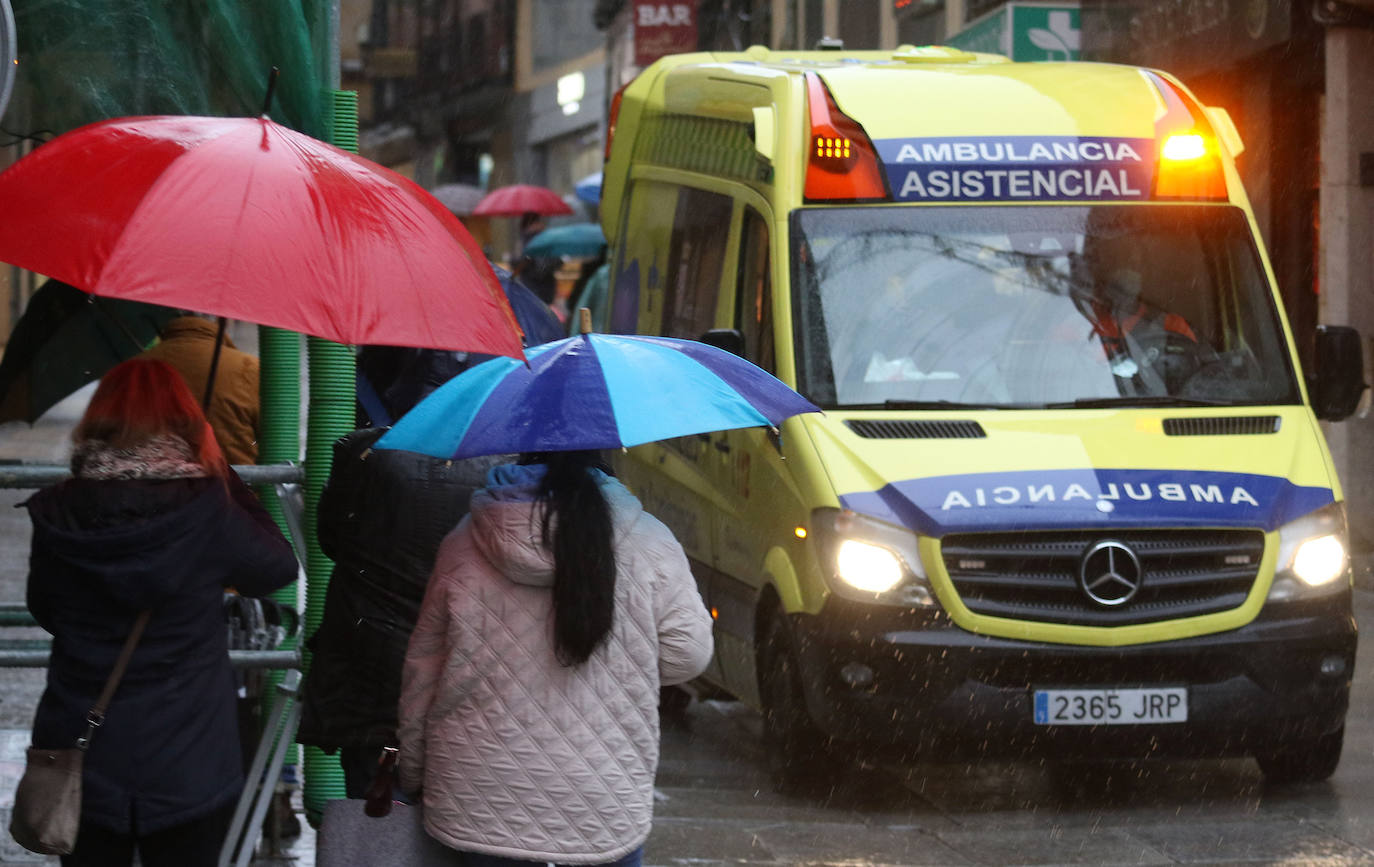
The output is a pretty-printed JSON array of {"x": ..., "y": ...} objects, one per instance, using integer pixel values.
[
  {"x": 578, "y": 239},
  {"x": 65, "y": 339}
]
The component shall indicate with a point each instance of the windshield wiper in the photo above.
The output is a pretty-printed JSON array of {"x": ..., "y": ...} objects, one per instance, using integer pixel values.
[
  {"x": 942, "y": 404},
  {"x": 1144, "y": 400}
]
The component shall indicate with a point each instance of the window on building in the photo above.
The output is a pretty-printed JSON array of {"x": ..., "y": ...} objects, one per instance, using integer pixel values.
[
  {"x": 860, "y": 27},
  {"x": 921, "y": 24},
  {"x": 977, "y": 8},
  {"x": 761, "y": 22},
  {"x": 475, "y": 37},
  {"x": 791, "y": 27},
  {"x": 562, "y": 31},
  {"x": 732, "y": 25},
  {"x": 813, "y": 17}
]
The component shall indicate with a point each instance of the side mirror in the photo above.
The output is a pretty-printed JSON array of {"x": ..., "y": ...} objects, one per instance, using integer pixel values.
[
  {"x": 1338, "y": 382},
  {"x": 725, "y": 338}
]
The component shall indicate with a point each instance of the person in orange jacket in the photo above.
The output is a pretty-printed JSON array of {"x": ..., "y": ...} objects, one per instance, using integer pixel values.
[
  {"x": 188, "y": 344},
  {"x": 1119, "y": 313}
]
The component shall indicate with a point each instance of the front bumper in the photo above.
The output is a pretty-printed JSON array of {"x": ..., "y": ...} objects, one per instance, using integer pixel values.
[{"x": 936, "y": 689}]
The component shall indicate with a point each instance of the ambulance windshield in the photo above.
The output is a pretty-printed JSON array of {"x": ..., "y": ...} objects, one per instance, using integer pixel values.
[{"x": 1022, "y": 307}]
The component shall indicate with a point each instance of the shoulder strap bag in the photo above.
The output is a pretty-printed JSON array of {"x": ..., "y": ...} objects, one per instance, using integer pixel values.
[{"x": 47, "y": 804}]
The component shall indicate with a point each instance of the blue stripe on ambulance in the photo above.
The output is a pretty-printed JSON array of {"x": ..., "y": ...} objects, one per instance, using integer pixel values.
[
  {"x": 1018, "y": 168},
  {"x": 1087, "y": 498}
]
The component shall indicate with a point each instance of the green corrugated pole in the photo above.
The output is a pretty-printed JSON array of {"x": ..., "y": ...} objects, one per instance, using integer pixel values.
[
  {"x": 332, "y": 396},
  {"x": 279, "y": 441}
]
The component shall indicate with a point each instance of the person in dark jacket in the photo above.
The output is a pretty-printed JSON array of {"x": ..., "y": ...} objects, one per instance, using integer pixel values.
[
  {"x": 382, "y": 516},
  {"x": 153, "y": 519},
  {"x": 392, "y": 379}
]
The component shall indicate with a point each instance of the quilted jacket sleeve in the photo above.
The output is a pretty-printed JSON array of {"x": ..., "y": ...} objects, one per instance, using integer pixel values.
[
  {"x": 684, "y": 625},
  {"x": 420, "y": 677}
]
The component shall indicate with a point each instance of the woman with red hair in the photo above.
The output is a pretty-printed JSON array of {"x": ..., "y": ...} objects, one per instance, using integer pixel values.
[{"x": 153, "y": 519}]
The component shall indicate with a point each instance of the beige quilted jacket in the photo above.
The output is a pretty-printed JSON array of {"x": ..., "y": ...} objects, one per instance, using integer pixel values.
[{"x": 518, "y": 755}]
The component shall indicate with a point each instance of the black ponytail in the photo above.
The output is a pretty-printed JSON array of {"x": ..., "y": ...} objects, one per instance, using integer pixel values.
[{"x": 584, "y": 560}]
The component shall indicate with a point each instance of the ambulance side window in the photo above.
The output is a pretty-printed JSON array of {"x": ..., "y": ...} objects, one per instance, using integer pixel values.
[
  {"x": 696, "y": 257},
  {"x": 754, "y": 291},
  {"x": 635, "y": 283}
]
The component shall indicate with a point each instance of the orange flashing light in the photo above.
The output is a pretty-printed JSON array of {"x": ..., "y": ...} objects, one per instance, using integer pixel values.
[
  {"x": 1184, "y": 146},
  {"x": 1189, "y": 165},
  {"x": 841, "y": 162},
  {"x": 611, "y": 117}
]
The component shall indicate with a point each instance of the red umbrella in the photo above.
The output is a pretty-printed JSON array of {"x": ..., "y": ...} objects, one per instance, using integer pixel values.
[
  {"x": 248, "y": 219},
  {"x": 519, "y": 199}
]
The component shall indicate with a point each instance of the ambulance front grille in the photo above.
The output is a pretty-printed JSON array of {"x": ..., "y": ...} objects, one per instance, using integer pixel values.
[
  {"x": 914, "y": 429},
  {"x": 1035, "y": 576},
  {"x": 1221, "y": 426}
]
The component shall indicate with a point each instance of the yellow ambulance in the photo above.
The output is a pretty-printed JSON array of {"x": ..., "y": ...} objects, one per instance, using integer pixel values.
[{"x": 1069, "y": 495}]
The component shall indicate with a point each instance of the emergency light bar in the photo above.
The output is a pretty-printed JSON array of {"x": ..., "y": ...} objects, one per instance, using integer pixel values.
[
  {"x": 841, "y": 162},
  {"x": 832, "y": 148},
  {"x": 1189, "y": 161},
  {"x": 1187, "y": 146},
  {"x": 612, "y": 116}
]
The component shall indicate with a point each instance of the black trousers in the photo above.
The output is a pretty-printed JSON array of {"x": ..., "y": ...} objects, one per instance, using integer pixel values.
[{"x": 194, "y": 844}]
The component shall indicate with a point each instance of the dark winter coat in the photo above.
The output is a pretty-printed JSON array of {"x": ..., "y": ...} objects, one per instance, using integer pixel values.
[
  {"x": 102, "y": 551},
  {"x": 399, "y": 377},
  {"x": 381, "y": 518}
]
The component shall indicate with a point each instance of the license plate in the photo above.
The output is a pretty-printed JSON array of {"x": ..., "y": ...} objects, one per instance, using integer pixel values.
[{"x": 1091, "y": 707}]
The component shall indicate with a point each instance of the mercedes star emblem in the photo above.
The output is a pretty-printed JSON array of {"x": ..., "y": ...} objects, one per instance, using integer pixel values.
[{"x": 1110, "y": 573}]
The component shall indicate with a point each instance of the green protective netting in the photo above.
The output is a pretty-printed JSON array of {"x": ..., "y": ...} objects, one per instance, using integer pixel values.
[{"x": 82, "y": 61}]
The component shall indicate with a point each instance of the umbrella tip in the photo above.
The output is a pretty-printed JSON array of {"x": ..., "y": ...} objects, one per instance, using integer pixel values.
[
  {"x": 271, "y": 86},
  {"x": 584, "y": 319}
]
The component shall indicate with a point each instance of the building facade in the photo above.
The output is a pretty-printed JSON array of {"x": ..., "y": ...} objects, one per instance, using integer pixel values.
[{"x": 479, "y": 92}]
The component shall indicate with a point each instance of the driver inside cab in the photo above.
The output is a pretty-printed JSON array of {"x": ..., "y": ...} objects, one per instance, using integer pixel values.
[{"x": 1144, "y": 342}]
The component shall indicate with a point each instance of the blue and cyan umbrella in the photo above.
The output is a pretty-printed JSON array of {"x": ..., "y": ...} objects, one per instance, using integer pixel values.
[{"x": 594, "y": 391}]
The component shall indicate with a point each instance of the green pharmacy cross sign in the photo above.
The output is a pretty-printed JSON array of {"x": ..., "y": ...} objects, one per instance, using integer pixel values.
[{"x": 1025, "y": 31}]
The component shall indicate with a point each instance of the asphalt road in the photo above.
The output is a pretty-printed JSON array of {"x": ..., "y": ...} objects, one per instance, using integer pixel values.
[{"x": 716, "y": 805}]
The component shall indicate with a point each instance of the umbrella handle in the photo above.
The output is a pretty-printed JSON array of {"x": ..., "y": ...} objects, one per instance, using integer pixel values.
[{"x": 214, "y": 366}]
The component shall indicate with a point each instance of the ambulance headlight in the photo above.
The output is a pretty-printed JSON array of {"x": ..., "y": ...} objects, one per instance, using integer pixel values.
[
  {"x": 1312, "y": 558},
  {"x": 868, "y": 567},
  {"x": 870, "y": 560}
]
